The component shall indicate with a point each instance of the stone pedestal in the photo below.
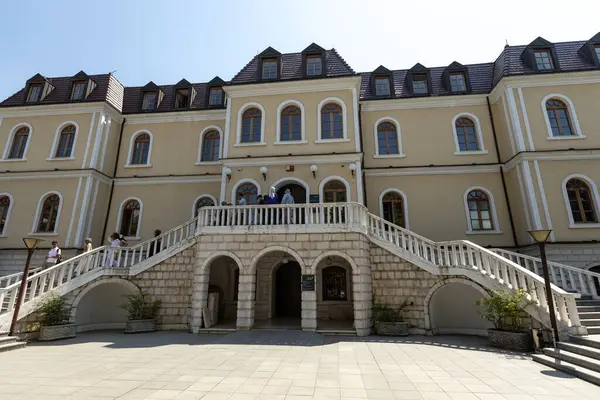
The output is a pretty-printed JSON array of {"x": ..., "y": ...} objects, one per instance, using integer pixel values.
[
  {"x": 309, "y": 311},
  {"x": 245, "y": 312}
]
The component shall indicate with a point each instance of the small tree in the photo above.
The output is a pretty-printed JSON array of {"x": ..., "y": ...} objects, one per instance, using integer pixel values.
[
  {"x": 505, "y": 309},
  {"x": 54, "y": 311},
  {"x": 140, "y": 306}
]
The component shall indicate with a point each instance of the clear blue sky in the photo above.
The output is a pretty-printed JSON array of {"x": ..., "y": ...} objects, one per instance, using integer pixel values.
[{"x": 165, "y": 41}]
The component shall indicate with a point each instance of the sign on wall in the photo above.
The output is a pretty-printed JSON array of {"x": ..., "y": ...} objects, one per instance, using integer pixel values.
[
  {"x": 308, "y": 283},
  {"x": 314, "y": 198}
]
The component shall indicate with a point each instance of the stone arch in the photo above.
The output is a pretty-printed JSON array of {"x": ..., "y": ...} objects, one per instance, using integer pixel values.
[
  {"x": 435, "y": 289},
  {"x": 328, "y": 253},
  {"x": 222, "y": 253},
  {"x": 270, "y": 249}
]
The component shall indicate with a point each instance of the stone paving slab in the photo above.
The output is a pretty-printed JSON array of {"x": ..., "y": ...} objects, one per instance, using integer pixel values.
[{"x": 274, "y": 365}]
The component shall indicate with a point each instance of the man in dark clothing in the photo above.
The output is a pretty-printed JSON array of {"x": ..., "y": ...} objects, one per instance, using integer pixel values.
[{"x": 156, "y": 245}]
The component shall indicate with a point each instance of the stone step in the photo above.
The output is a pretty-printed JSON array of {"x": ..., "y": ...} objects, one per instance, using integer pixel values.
[
  {"x": 581, "y": 302},
  {"x": 591, "y": 322},
  {"x": 216, "y": 331},
  {"x": 12, "y": 346},
  {"x": 581, "y": 309},
  {"x": 574, "y": 358},
  {"x": 589, "y": 315},
  {"x": 575, "y": 370},
  {"x": 592, "y": 330},
  {"x": 580, "y": 349},
  {"x": 7, "y": 339},
  {"x": 585, "y": 341},
  {"x": 336, "y": 332}
]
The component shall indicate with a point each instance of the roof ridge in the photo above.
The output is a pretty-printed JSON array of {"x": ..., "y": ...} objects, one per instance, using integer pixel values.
[{"x": 342, "y": 59}]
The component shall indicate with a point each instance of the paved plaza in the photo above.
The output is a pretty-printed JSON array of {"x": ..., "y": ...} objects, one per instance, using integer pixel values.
[{"x": 276, "y": 365}]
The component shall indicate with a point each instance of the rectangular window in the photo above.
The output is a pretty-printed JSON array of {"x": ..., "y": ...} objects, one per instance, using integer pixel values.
[
  {"x": 543, "y": 61},
  {"x": 182, "y": 98},
  {"x": 382, "y": 86},
  {"x": 149, "y": 103},
  {"x": 313, "y": 66},
  {"x": 269, "y": 68},
  {"x": 78, "y": 92},
  {"x": 215, "y": 97},
  {"x": 35, "y": 93},
  {"x": 457, "y": 82},
  {"x": 597, "y": 48},
  {"x": 420, "y": 84}
]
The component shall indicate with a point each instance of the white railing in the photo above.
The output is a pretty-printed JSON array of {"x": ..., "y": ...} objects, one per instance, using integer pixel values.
[
  {"x": 569, "y": 278},
  {"x": 8, "y": 280}
]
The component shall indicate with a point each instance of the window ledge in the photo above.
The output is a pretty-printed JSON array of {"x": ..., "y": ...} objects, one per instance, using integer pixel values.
[
  {"x": 491, "y": 232},
  {"x": 401, "y": 155},
  {"x": 13, "y": 160},
  {"x": 572, "y": 137},
  {"x": 584, "y": 226},
  {"x": 138, "y": 166},
  {"x": 60, "y": 158},
  {"x": 250, "y": 144},
  {"x": 470, "y": 153},
  {"x": 207, "y": 162},
  {"x": 332, "y": 140},
  {"x": 290, "y": 142},
  {"x": 43, "y": 233}
]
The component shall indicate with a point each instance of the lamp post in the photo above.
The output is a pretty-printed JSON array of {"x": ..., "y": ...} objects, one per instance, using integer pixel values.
[
  {"x": 31, "y": 244},
  {"x": 541, "y": 237}
]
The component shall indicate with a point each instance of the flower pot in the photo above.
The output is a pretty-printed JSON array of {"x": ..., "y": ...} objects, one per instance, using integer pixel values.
[
  {"x": 55, "y": 332},
  {"x": 521, "y": 341},
  {"x": 391, "y": 328},
  {"x": 140, "y": 325}
]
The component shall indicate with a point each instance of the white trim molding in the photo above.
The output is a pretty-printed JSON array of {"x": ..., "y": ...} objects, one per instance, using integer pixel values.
[
  {"x": 71, "y": 156},
  {"x": 442, "y": 170},
  {"x": 493, "y": 213},
  {"x": 577, "y": 134},
  {"x": 202, "y": 196},
  {"x": 329, "y": 178},
  {"x": 540, "y": 182},
  {"x": 38, "y": 211},
  {"x": 478, "y": 132},
  {"x": 280, "y": 108},
  {"x": 9, "y": 142},
  {"x": 525, "y": 119},
  {"x": 395, "y": 122},
  {"x": 241, "y": 182},
  {"x": 11, "y": 202},
  {"x": 404, "y": 204},
  {"x": 238, "y": 139},
  {"x": 289, "y": 179},
  {"x": 341, "y": 103},
  {"x": 596, "y": 199},
  {"x": 201, "y": 146},
  {"x": 120, "y": 217},
  {"x": 130, "y": 154}
]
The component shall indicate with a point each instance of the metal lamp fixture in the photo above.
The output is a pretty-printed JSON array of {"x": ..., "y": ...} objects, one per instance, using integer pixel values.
[
  {"x": 263, "y": 171},
  {"x": 227, "y": 171},
  {"x": 314, "y": 169},
  {"x": 352, "y": 168}
]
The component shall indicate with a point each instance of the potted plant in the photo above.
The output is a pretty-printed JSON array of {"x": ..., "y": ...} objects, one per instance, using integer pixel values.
[
  {"x": 56, "y": 319},
  {"x": 505, "y": 310},
  {"x": 142, "y": 312},
  {"x": 389, "y": 321}
]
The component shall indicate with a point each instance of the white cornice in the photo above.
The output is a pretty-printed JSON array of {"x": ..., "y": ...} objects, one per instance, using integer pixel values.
[
  {"x": 53, "y": 175},
  {"x": 456, "y": 170},
  {"x": 294, "y": 160},
  {"x": 423, "y": 102},
  {"x": 552, "y": 156},
  {"x": 167, "y": 180},
  {"x": 51, "y": 109},
  {"x": 287, "y": 87},
  {"x": 188, "y": 116}
]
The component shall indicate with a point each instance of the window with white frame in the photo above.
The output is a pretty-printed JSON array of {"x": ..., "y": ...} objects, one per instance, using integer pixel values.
[
  {"x": 130, "y": 218},
  {"x": 66, "y": 140},
  {"x": 48, "y": 216},
  {"x": 466, "y": 135},
  {"x": 251, "y": 126},
  {"x": 387, "y": 139},
  {"x": 141, "y": 149},
  {"x": 18, "y": 144},
  {"x": 332, "y": 121},
  {"x": 291, "y": 124},
  {"x": 480, "y": 212},
  {"x": 559, "y": 118},
  {"x": 211, "y": 145},
  {"x": 392, "y": 207},
  {"x": 5, "y": 205},
  {"x": 581, "y": 202}
]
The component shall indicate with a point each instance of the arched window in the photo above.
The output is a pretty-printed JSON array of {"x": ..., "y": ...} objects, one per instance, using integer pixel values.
[
  {"x": 211, "y": 143},
  {"x": 480, "y": 211},
  {"x": 19, "y": 144},
  {"x": 466, "y": 135},
  {"x": 202, "y": 202},
  {"x": 392, "y": 205},
  {"x": 141, "y": 149},
  {"x": 334, "y": 192},
  {"x": 387, "y": 138},
  {"x": 332, "y": 123},
  {"x": 334, "y": 284},
  {"x": 249, "y": 192},
  {"x": 251, "y": 126},
  {"x": 48, "y": 214},
  {"x": 581, "y": 202},
  {"x": 130, "y": 218},
  {"x": 4, "y": 207},
  {"x": 65, "y": 142},
  {"x": 291, "y": 124},
  {"x": 558, "y": 116}
]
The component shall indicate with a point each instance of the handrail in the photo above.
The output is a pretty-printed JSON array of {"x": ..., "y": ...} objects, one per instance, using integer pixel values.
[{"x": 8, "y": 280}]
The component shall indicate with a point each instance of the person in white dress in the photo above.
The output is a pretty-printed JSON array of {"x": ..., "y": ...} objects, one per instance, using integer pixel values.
[{"x": 115, "y": 243}]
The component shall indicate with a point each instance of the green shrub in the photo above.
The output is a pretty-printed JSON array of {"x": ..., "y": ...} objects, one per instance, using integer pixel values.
[
  {"x": 385, "y": 313},
  {"x": 141, "y": 306},
  {"x": 54, "y": 311},
  {"x": 505, "y": 309}
]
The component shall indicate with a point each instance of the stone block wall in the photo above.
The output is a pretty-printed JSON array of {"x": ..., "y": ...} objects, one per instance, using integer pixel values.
[{"x": 575, "y": 255}]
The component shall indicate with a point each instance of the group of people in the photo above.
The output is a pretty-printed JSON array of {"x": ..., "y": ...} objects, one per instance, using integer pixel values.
[{"x": 270, "y": 198}]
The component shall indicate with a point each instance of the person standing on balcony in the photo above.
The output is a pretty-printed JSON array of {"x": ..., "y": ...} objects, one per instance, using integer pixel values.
[
  {"x": 155, "y": 247},
  {"x": 288, "y": 199},
  {"x": 272, "y": 198}
]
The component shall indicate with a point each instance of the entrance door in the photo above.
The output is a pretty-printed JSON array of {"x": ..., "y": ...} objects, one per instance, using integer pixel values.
[{"x": 288, "y": 296}]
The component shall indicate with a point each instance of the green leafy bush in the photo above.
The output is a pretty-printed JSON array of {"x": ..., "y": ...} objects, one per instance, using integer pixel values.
[
  {"x": 385, "y": 313},
  {"x": 54, "y": 311},
  {"x": 141, "y": 306},
  {"x": 505, "y": 309}
]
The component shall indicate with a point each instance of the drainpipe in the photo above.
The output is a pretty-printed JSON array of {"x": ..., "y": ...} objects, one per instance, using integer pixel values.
[
  {"x": 112, "y": 186},
  {"x": 364, "y": 181},
  {"x": 509, "y": 208}
]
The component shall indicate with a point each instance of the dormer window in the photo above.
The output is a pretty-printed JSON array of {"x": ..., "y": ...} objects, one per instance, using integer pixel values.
[
  {"x": 420, "y": 84},
  {"x": 78, "y": 91},
  {"x": 182, "y": 98},
  {"x": 543, "y": 60},
  {"x": 382, "y": 86},
  {"x": 314, "y": 65},
  {"x": 269, "y": 68},
  {"x": 458, "y": 82},
  {"x": 215, "y": 97},
  {"x": 149, "y": 101},
  {"x": 35, "y": 93}
]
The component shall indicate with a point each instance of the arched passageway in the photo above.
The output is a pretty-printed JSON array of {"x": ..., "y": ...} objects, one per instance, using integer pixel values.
[
  {"x": 223, "y": 280},
  {"x": 335, "y": 300}
]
